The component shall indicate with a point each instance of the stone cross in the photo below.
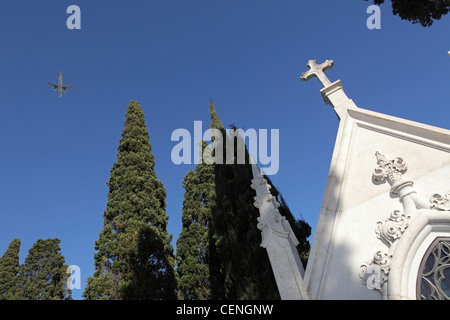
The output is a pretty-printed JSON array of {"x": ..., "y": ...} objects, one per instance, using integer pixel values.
[{"x": 317, "y": 70}]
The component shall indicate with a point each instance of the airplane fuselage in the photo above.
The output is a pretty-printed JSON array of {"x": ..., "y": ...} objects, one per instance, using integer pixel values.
[{"x": 60, "y": 86}]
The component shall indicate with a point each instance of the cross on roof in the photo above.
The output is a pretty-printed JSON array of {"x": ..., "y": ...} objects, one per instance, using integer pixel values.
[{"x": 317, "y": 70}]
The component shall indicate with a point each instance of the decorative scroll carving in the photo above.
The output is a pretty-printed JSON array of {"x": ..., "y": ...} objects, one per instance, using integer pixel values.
[
  {"x": 440, "y": 202},
  {"x": 392, "y": 228},
  {"x": 374, "y": 273}
]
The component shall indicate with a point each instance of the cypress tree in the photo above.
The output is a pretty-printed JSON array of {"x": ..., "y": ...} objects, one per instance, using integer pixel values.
[
  {"x": 239, "y": 266},
  {"x": 193, "y": 242},
  {"x": 43, "y": 276},
  {"x": 9, "y": 270},
  {"x": 134, "y": 258}
]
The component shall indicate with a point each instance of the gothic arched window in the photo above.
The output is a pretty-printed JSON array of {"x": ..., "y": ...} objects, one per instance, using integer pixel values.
[{"x": 433, "y": 282}]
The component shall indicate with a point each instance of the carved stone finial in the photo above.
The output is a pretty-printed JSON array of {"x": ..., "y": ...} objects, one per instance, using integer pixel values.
[
  {"x": 317, "y": 70},
  {"x": 392, "y": 170}
]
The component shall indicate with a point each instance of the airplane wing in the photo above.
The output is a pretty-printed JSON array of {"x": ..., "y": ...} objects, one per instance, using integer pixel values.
[
  {"x": 67, "y": 87},
  {"x": 54, "y": 85}
]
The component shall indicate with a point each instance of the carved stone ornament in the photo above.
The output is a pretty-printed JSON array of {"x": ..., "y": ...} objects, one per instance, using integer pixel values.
[
  {"x": 374, "y": 273},
  {"x": 281, "y": 228},
  {"x": 391, "y": 170},
  {"x": 440, "y": 202},
  {"x": 265, "y": 196},
  {"x": 270, "y": 222},
  {"x": 392, "y": 228}
]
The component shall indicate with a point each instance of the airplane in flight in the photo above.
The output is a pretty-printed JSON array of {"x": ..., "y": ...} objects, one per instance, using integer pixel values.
[{"x": 60, "y": 87}]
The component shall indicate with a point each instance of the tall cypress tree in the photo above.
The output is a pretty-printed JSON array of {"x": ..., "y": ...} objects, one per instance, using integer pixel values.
[
  {"x": 43, "y": 276},
  {"x": 239, "y": 266},
  {"x": 134, "y": 258},
  {"x": 9, "y": 270},
  {"x": 193, "y": 242}
]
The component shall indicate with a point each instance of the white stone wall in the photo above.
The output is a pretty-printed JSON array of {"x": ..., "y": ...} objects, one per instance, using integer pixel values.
[{"x": 354, "y": 202}]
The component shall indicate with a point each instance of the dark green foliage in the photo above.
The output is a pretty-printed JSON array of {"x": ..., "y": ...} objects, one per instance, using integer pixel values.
[
  {"x": 193, "y": 242},
  {"x": 134, "y": 258},
  {"x": 215, "y": 120},
  {"x": 424, "y": 12},
  {"x": 9, "y": 270},
  {"x": 239, "y": 266},
  {"x": 43, "y": 276}
]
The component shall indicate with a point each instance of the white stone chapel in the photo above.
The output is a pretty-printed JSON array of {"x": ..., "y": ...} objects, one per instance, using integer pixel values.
[{"x": 384, "y": 226}]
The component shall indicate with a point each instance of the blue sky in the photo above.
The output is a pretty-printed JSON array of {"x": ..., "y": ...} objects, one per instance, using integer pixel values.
[{"x": 172, "y": 57}]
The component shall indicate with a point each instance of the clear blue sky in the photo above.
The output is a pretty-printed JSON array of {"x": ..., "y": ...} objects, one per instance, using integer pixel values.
[{"x": 172, "y": 57}]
